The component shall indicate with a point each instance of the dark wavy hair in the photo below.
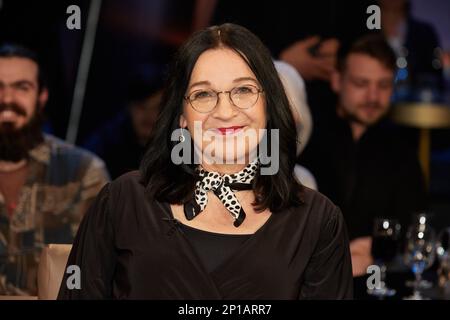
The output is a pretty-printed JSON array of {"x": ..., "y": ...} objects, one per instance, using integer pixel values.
[
  {"x": 167, "y": 182},
  {"x": 13, "y": 50}
]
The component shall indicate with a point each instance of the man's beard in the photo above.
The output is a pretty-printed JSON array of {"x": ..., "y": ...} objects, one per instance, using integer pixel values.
[
  {"x": 355, "y": 118},
  {"x": 15, "y": 144}
]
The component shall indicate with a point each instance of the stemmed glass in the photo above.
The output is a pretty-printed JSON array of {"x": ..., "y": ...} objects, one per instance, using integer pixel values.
[
  {"x": 419, "y": 254},
  {"x": 443, "y": 244},
  {"x": 443, "y": 255},
  {"x": 420, "y": 218},
  {"x": 385, "y": 240}
]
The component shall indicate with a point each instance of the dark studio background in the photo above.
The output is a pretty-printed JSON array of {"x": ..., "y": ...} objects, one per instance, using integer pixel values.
[{"x": 137, "y": 34}]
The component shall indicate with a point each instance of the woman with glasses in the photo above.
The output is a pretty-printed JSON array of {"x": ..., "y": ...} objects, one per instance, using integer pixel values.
[{"x": 215, "y": 211}]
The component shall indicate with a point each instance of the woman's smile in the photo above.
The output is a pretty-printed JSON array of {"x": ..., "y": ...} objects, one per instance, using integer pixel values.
[{"x": 229, "y": 130}]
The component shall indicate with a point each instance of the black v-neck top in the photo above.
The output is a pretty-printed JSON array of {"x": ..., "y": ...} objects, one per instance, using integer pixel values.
[
  {"x": 212, "y": 248},
  {"x": 130, "y": 247}
]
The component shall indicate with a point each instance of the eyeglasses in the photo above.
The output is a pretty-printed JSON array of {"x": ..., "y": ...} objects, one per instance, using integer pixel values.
[{"x": 206, "y": 100}]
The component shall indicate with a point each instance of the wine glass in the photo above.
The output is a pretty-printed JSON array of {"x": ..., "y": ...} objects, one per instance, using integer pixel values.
[
  {"x": 385, "y": 239},
  {"x": 443, "y": 243},
  {"x": 419, "y": 254},
  {"x": 420, "y": 218},
  {"x": 443, "y": 255}
]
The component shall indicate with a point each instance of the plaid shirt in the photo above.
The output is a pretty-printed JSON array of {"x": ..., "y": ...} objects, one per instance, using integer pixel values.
[{"x": 61, "y": 182}]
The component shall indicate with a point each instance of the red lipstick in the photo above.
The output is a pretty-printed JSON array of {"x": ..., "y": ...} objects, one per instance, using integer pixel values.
[{"x": 229, "y": 130}]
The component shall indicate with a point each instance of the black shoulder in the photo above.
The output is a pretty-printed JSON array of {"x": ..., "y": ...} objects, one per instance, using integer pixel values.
[
  {"x": 134, "y": 176},
  {"x": 317, "y": 200},
  {"x": 128, "y": 179},
  {"x": 127, "y": 187},
  {"x": 319, "y": 208}
]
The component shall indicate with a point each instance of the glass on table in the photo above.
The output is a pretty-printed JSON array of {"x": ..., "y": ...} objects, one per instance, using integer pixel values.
[
  {"x": 420, "y": 218},
  {"x": 443, "y": 255},
  {"x": 385, "y": 241},
  {"x": 419, "y": 253}
]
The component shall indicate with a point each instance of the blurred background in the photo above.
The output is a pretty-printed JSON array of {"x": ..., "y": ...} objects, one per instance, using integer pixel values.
[{"x": 133, "y": 41}]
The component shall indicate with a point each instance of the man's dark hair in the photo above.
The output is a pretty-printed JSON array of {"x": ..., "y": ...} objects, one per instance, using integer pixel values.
[
  {"x": 145, "y": 81},
  {"x": 373, "y": 45},
  {"x": 167, "y": 182},
  {"x": 12, "y": 50}
]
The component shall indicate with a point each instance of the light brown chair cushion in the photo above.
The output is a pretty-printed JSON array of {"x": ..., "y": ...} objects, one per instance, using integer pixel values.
[{"x": 52, "y": 266}]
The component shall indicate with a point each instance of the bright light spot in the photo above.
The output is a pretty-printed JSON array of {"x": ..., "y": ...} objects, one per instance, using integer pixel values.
[
  {"x": 402, "y": 74},
  {"x": 402, "y": 63}
]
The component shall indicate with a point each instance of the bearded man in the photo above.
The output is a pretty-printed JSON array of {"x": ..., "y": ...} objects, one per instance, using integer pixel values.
[{"x": 45, "y": 183}]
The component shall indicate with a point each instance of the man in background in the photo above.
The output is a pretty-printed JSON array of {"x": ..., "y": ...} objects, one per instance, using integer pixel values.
[
  {"x": 121, "y": 142},
  {"x": 45, "y": 184},
  {"x": 358, "y": 157}
]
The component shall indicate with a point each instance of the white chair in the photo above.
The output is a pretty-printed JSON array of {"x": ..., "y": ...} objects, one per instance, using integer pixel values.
[{"x": 294, "y": 86}]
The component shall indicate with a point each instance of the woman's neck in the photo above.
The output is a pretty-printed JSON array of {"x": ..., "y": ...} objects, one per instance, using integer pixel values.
[{"x": 224, "y": 168}]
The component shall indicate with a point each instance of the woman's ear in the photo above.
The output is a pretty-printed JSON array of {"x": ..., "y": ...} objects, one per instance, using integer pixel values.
[
  {"x": 43, "y": 98},
  {"x": 182, "y": 122}
]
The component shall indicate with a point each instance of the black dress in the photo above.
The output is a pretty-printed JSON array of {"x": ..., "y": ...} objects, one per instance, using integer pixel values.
[{"x": 130, "y": 247}]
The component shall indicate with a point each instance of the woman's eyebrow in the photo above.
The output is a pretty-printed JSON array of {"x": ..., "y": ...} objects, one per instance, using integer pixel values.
[
  {"x": 244, "y": 79},
  {"x": 205, "y": 82},
  {"x": 199, "y": 83}
]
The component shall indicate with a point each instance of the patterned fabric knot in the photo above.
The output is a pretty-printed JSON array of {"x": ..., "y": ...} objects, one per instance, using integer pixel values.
[{"x": 223, "y": 186}]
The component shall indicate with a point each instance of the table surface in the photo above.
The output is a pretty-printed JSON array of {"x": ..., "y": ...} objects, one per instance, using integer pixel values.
[
  {"x": 422, "y": 115},
  {"x": 396, "y": 277},
  {"x": 18, "y": 297}
]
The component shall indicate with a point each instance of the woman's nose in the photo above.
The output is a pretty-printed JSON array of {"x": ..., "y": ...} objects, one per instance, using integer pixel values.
[{"x": 224, "y": 108}]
